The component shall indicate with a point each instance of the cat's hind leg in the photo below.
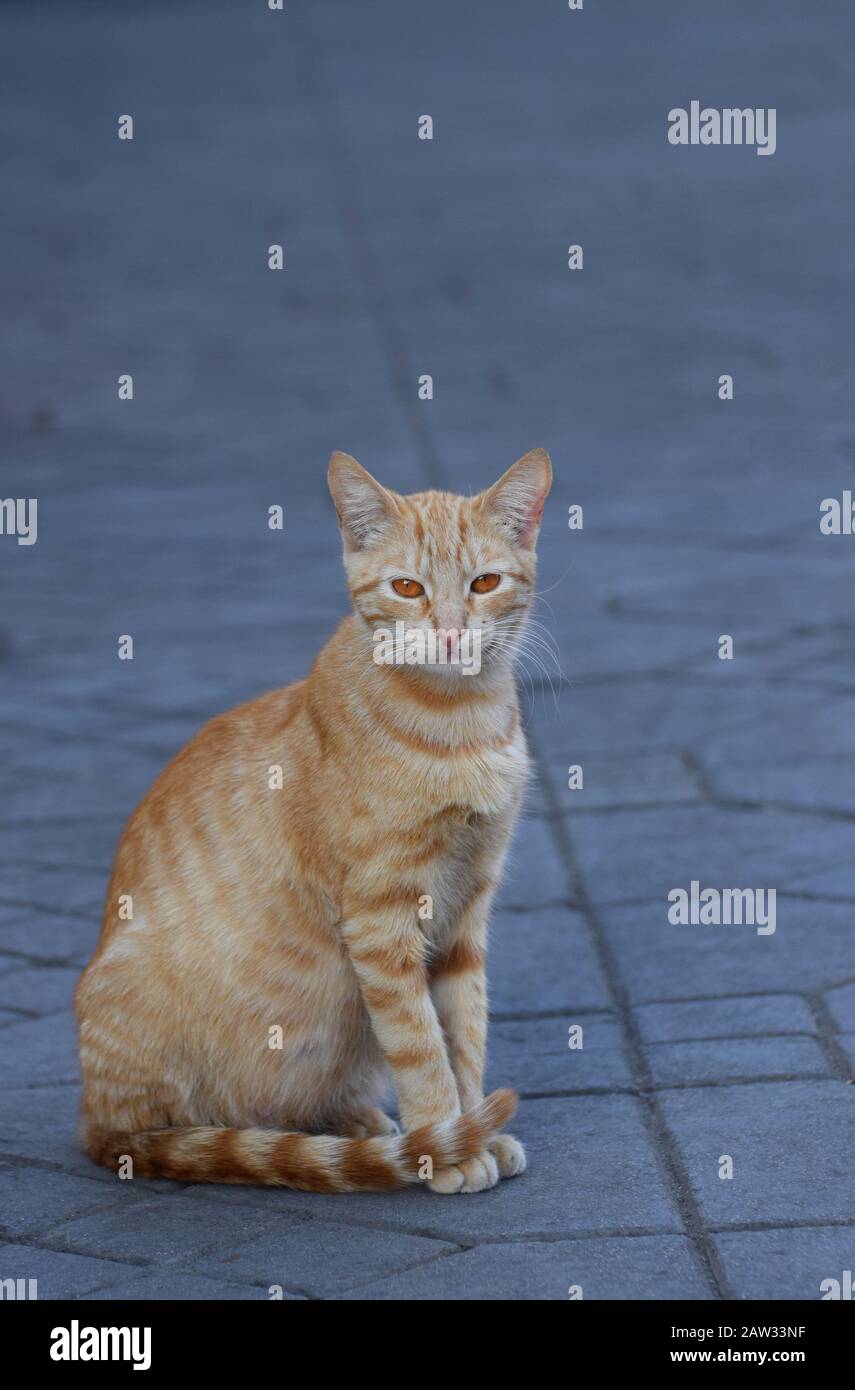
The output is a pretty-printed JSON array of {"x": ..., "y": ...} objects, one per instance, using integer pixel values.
[{"x": 366, "y": 1124}]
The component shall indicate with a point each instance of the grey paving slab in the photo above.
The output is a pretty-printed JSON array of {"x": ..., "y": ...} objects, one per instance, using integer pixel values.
[
  {"x": 630, "y": 780},
  {"x": 534, "y": 1055},
  {"x": 685, "y": 1063},
  {"x": 638, "y": 1267},
  {"x": 811, "y": 947},
  {"x": 57, "y": 1274},
  {"x": 790, "y": 1143},
  {"x": 321, "y": 1259},
  {"x": 824, "y": 656},
  {"x": 169, "y": 1285},
  {"x": 37, "y": 1199},
  {"x": 740, "y": 1015},
  {"x": 41, "y": 935},
  {"x": 833, "y": 880},
  {"x": 631, "y": 856},
  {"x": 657, "y": 714},
  {"x": 534, "y": 874},
  {"x": 799, "y": 1262},
  {"x": 39, "y": 1122},
  {"x": 42, "y": 991},
  {"x": 39, "y": 1050},
  {"x": 166, "y": 1229},
  {"x": 542, "y": 960},
  {"x": 798, "y": 781}
]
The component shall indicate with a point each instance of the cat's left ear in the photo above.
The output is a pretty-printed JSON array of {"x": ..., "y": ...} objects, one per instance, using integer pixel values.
[{"x": 515, "y": 502}]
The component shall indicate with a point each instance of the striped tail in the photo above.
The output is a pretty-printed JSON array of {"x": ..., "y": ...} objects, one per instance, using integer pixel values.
[{"x": 306, "y": 1162}]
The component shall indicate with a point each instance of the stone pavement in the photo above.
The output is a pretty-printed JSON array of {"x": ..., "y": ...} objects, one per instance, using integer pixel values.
[{"x": 701, "y": 518}]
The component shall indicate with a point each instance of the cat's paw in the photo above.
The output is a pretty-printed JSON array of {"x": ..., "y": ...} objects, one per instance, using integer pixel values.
[
  {"x": 509, "y": 1155},
  {"x": 472, "y": 1175}
]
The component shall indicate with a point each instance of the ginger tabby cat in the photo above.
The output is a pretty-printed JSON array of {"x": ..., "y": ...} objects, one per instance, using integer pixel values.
[{"x": 291, "y": 912}]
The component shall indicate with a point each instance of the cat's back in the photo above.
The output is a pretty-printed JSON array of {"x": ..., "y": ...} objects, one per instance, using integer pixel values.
[
  {"x": 229, "y": 757},
  {"x": 217, "y": 802}
]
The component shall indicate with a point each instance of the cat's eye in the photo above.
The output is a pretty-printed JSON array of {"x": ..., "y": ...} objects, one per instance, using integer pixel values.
[
  {"x": 408, "y": 588},
  {"x": 484, "y": 583}
]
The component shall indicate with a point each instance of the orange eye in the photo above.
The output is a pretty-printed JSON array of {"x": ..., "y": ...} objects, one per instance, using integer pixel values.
[
  {"x": 484, "y": 583},
  {"x": 408, "y": 588}
]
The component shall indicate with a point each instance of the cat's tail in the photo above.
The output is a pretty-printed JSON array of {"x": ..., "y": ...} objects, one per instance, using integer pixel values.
[{"x": 307, "y": 1162}]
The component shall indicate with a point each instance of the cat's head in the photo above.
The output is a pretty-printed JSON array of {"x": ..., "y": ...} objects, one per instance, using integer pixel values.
[{"x": 439, "y": 562}]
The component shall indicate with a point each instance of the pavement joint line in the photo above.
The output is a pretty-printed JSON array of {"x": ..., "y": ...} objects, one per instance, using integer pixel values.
[
  {"x": 15, "y": 1160},
  {"x": 664, "y": 1145},
  {"x": 111, "y": 1284},
  {"x": 724, "y": 1083},
  {"x": 615, "y": 807},
  {"x": 71, "y": 914},
  {"x": 748, "y": 681},
  {"x": 470, "y": 1241},
  {"x": 698, "y": 773},
  {"x": 42, "y": 1232},
  {"x": 322, "y": 98},
  {"x": 717, "y": 803},
  {"x": 804, "y": 895},
  {"x": 734, "y": 1037},
  {"x": 83, "y": 870},
  {"x": 38, "y": 1243},
  {"x": 155, "y": 1262},
  {"x": 701, "y": 1084},
  {"x": 580, "y": 1092},
  {"x": 418, "y": 1262},
  {"x": 524, "y": 1016},
  {"x": 517, "y": 909},
  {"x": 835, "y": 1054},
  {"x": 814, "y": 1224},
  {"x": 649, "y": 900},
  {"x": 735, "y": 994},
  {"x": 71, "y": 962}
]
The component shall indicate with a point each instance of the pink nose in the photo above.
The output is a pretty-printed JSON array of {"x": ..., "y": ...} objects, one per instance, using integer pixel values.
[{"x": 452, "y": 639}]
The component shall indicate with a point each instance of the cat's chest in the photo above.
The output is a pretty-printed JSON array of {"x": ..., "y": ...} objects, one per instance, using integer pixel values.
[
  {"x": 487, "y": 782},
  {"x": 469, "y": 851}
]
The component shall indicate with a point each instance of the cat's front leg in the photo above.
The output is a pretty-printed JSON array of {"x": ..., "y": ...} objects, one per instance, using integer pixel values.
[
  {"x": 389, "y": 955},
  {"x": 459, "y": 988},
  {"x": 388, "y": 952}
]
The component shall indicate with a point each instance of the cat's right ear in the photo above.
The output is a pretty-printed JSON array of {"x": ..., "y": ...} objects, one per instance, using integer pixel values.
[{"x": 362, "y": 505}]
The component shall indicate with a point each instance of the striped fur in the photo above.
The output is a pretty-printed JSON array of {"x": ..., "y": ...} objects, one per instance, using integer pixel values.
[
  {"x": 307, "y": 1162},
  {"x": 280, "y": 966}
]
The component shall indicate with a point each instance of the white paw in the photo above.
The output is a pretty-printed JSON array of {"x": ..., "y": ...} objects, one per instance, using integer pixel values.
[
  {"x": 473, "y": 1175},
  {"x": 509, "y": 1155}
]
